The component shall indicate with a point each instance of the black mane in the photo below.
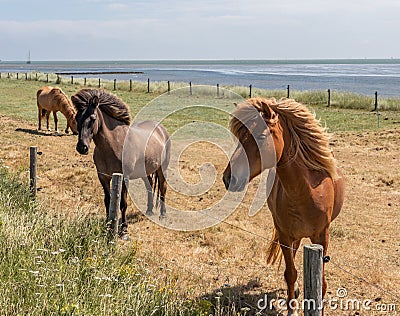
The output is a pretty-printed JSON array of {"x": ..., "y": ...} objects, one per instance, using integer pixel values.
[{"x": 108, "y": 103}]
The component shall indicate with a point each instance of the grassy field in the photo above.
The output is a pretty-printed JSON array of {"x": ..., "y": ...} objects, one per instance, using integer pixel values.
[
  {"x": 58, "y": 260},
  {"x": 348, "y": 111}
]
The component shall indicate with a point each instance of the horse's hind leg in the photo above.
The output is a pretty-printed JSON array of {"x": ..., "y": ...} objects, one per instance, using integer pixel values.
[
  {"x": 55, "y": 120},
  {"x": 162, "y": 189},
  {"x": 149, "y": 188},
  {"x": 39, "y": 118}
]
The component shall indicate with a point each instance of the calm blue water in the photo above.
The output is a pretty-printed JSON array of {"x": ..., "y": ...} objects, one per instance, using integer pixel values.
[{"x": 361, "y": 76}]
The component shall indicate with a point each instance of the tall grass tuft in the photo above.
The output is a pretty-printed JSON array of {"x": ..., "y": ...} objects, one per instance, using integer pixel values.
[{"x": 54, "y": 265}]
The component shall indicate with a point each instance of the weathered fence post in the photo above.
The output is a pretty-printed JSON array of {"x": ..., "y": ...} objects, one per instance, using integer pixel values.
[
  {"x": 169, "y": 87},
  {"x": 148, "y": 85},
  {"x": 32, "y": 170},
  {"x": 376, "y": 101},
  {"x": 313, "y": 267},
  {"x": 99, "y": 82},
  {"x": 218, "y": 90},
  {"x": 115, "y": 84},
  {"x": 72, "y": 79},
  {"x": 36, "y": 79},
  {"x": 26, "y": 76},
  {"x": 84, "y": 81},
  {"x": 47, "y": 77},
  {"x": 329, "y": 98},
  {"x": 190, "y": 87},
  {"x": 115, "y": 200},
  {"x": 250, "y": 91},
  {"x": 130, "y": 85},
  {"x": 288, "y": 91},
  {"x": 17, "y": 75}
]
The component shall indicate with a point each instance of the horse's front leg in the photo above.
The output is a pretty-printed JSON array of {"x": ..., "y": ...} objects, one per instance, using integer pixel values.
[
  {"x": 290, "y": 274},
  {"x": 105, "y": 182},
  {"x": 323, "y": 240},
  {"x": 55, "y": 120},
  {"x": 48, "y": 120}
]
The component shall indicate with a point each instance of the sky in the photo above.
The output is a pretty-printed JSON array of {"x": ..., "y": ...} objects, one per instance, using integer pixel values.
[{"x": 198, "y": 29}]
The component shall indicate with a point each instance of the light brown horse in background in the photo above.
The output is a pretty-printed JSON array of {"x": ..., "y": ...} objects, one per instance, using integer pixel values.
[
  {"x": 51, "y": 99},
  {"x": 308, "y": 189}
]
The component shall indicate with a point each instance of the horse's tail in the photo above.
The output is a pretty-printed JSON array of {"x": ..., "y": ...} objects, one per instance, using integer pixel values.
[
  {"x": 156, "y": 187},
  {"x": 274, "y": 250}
]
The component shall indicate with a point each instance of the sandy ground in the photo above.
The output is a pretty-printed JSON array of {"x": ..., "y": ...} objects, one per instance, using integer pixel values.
[{"x": 230, "y": 257}]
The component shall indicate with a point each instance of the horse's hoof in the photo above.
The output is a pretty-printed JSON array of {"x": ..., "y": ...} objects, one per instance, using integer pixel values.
[
  {"x": 162, "y": 217},
  {"x": 296, "y": 290},
  {"x": 149, "y": 213},
  {"x": 125, "y": 237}
]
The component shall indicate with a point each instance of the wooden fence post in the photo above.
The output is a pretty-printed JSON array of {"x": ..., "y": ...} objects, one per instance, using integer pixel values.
[
  {"x": 218, "y": 90},
  {"x": 115, "y": 200},
  {"x": 329, "y": 98},
  {"x": 36, "y": 79},
  {"x": 84, "y": 81},
  {"x": 130, "y": 85},
  {"x": 115, "y": 84},
  {"x": 26, "y": 76},
  {"x": 376, "y": 101},
  {"x": 99, "y": 83},
  {"x": 313, "y": 267},
  {"x": 32, "y": 170},
  {"x": 288, "y": 91},
  {"x": 148, "y": 85},
  {"x": 169, "y": 87},
  {"x": 72, "y": 79},
  {"x": 250, "y": 91},
  {"x": 17, "y": 75},
  {"x": 47, "y": 78},
  {"x": 190, "y": 87}
]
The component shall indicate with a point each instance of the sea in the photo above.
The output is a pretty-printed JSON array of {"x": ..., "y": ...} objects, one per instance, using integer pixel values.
[{"x": 364, "y": 76}]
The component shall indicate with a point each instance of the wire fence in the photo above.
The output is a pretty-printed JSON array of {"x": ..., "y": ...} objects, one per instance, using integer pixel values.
[{"x": 328, "y": 97}]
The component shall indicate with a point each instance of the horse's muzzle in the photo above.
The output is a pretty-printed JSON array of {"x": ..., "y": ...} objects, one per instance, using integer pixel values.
[
  {"x": 82, "y": 148},
  {"x": 232, "y": 183}
]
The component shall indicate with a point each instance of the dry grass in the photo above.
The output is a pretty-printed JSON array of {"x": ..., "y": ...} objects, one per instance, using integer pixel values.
[{"x": 364, "y": 239}]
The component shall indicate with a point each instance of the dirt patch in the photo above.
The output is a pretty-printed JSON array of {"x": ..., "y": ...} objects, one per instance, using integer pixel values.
[{"x": 231, "y": 256}]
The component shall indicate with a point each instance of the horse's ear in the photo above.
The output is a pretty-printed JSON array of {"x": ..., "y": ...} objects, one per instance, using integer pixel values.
[
  {"x": 269, "y": 115},
  {"x": 94, "y": 101}
]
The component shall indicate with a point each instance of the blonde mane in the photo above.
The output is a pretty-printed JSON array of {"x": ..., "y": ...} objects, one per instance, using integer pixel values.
[
  {"x": 64, "y": 104},
  {"x": 309, "y": 140}
]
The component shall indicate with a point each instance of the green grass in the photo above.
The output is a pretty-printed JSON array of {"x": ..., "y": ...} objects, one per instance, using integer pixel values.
[
  {"x": 348, "y": 111},
  {"x": 54, "y": 265}
]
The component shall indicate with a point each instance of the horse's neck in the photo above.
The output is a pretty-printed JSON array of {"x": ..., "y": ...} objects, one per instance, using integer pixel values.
[
  {"x": 110, "y": 135},
  {"x": 291, "y": 172}
]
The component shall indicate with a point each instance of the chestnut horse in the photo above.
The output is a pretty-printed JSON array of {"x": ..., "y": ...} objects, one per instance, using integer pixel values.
[
  {"x": 51, "y": 99},
  {"x": 105, "y": 118},
  {"x": 308, "y": 190}
]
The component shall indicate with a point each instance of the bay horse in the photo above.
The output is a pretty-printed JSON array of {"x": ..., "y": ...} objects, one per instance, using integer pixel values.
[
  {"x": 105, "y": 118},
  {"x": 308, "y": 189},
  {"x": 51, "y": 99}
]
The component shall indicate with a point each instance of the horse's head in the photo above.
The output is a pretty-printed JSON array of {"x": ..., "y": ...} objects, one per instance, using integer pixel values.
[
  {"x": 260, "y": 146},
  {"x": 87, "y": 122}
]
